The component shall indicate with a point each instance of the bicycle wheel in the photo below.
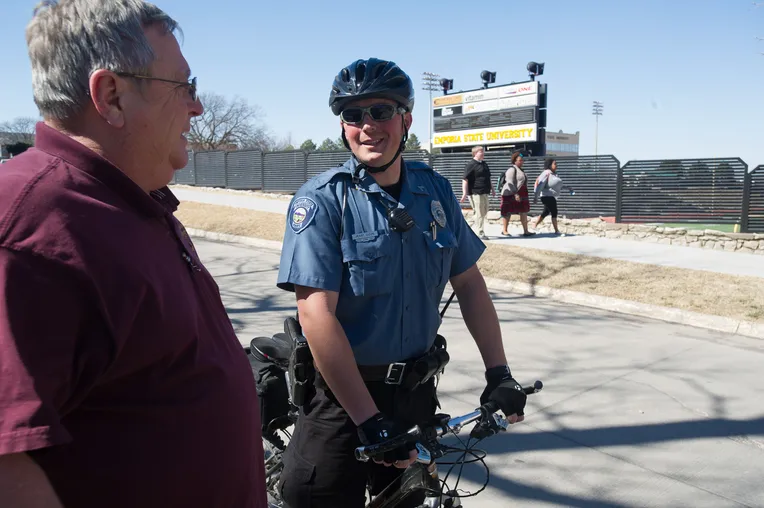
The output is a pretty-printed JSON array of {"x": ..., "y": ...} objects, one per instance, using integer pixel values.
[{"x": 273, "y": 468}]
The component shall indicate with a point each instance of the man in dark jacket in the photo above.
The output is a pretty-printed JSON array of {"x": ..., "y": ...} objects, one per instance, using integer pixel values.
[{"x": 477, "y": 185}]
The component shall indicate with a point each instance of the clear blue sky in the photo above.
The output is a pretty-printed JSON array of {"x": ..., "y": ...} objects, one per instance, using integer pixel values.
[{"x": 679, "y": 78}]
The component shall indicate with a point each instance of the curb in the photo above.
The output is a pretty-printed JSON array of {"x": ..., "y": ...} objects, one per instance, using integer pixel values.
[
  {"x": 225, "y": 237},
  {"x": 684, "y": 317}
]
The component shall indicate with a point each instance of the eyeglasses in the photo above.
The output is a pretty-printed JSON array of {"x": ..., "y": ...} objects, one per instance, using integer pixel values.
[
  {"x": 378, "y": 112},
  {"x": 191, "y": 85}
]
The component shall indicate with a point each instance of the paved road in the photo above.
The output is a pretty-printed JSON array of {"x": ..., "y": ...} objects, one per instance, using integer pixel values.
[
  {"x": 634, "y": 413},
  {"x": 733, "y": 263}
]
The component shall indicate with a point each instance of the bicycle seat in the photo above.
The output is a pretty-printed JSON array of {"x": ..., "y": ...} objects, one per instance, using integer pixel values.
[{"x": 276, "y": 349}]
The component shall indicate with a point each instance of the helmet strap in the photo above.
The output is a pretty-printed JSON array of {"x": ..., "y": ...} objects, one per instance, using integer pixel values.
[{"x": 380, "y": 169}]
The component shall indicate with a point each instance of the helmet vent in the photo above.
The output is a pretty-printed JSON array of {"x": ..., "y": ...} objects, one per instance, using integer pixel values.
[{"x": 360, "y": 72}]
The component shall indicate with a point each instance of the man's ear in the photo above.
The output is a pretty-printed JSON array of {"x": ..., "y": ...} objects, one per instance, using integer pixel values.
[
  {"x": 407, "y": 120},
  {"x": 106, "y": 89}
]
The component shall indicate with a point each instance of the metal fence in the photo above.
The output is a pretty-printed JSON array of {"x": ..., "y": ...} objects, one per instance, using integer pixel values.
[
  {"x": 754, "y": 201},
  {"x": 684, "y": 190},
  {"x": 714, "y": 191}
]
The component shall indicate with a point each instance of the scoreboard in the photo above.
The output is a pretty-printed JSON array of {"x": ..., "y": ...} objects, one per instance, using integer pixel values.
[{"x": 508, "y": 114}]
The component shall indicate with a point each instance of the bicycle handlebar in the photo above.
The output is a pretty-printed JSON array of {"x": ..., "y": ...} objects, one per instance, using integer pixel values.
[{"x": 455, "y": 425}]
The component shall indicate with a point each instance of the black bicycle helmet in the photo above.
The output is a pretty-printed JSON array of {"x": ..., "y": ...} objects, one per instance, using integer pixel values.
[{"x": 371, "y": 78}]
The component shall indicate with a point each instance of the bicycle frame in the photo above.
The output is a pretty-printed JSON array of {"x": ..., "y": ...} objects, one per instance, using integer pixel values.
[
  {"x": 423, "y": 474},
  {"x": 416, "y": 477}
]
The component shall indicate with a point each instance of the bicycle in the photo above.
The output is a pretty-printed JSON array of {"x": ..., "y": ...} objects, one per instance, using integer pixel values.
[
  {"x": 277, "y": 351},
  {"x": 422, "y": 475}
]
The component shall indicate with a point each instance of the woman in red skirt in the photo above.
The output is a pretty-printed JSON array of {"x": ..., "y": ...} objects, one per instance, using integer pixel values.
[{"x": 514, "y": 195}]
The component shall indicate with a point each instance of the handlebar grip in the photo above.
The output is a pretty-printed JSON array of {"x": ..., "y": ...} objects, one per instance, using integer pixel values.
[
  {"x": 530, "y": 390},
  {"x": 489, "y": 407},
  {"x": 364, "y": 453},
  {"x": 492, "y": 407}
]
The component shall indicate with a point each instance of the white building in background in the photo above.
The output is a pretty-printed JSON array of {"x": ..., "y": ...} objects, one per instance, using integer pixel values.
[{"x": 560, "y": 144}]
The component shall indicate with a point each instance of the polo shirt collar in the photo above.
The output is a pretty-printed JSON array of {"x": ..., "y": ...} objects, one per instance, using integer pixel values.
[
  {"x": 58, "y": 144},
  {"x": 367, "y": 183}
]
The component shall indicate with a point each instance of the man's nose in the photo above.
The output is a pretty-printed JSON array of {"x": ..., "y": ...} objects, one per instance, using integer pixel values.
[{"x": 197, "y": 108}]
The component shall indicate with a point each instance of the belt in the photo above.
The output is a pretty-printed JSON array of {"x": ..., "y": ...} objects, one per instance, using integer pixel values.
[
  {"x": 391, "y": 374},
  {"x": 411, "y": 372}
]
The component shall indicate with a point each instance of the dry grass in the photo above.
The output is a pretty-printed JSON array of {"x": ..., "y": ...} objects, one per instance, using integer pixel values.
[
  {"x": 234, "y": 221},
  {"x": 217, "y": 190},
  {"x": 694, "y": 290}
]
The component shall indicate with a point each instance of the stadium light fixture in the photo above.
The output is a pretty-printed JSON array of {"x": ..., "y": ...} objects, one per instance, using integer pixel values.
[
  {"x": 535, "y": 69},
  {"x": 446, "y": 84},
  {"x": 488, "y": 77}
]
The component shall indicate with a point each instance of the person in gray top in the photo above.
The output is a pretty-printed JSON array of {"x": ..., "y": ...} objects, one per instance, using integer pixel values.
[{"x": 548, "y": 187}]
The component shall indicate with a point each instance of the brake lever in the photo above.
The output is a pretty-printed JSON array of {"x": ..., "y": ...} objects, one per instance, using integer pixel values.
[
  {"x": 423, "y": 454},
  {"x": 488, "y": 426}
]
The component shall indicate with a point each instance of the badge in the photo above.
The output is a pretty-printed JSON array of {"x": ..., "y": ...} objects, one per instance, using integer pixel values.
[
  {"x": 302, "y": 213},
  {"x": 438, "y": 213}
]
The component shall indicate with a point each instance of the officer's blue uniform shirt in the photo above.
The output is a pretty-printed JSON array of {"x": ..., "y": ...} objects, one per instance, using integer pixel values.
[{"x": 390, "y": 284}]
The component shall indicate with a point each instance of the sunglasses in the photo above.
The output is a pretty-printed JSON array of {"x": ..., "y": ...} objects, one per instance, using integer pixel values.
[
  {"x": 377, "y": 112},
  {"x": 191, "y": 85}
]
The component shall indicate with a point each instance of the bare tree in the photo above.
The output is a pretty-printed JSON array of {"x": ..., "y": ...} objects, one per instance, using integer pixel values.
[
  {"x": 228, "y": 125},
  {"x": 19, "y": 130}
]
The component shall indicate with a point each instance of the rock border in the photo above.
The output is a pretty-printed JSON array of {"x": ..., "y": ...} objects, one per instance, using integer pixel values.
[{"x": 749, "y": 243}]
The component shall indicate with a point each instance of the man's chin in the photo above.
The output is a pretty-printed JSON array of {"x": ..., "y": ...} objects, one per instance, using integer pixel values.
[
  {"x": 375, "y": 159},
  {"x": 179, "y": 161}
]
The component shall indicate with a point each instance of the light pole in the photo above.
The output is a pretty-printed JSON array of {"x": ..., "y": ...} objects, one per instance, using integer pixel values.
[
  {"x": 597, "y": 112},
  {"x": 431, "y": 83}
]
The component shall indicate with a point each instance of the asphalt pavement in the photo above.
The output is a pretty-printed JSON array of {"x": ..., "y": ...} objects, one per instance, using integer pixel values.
[{"x": 635, "y": 412}]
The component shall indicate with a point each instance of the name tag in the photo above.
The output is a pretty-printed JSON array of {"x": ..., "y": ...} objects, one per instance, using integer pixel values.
[{"x": 365, "y": 237}]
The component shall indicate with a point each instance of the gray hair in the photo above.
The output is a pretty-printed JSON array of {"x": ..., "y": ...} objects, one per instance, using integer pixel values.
[{"x": 68, "y": 40}]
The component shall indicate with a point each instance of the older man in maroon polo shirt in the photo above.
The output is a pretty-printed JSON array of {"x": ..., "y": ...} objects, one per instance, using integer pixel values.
[{"x": 122, "y": 383}]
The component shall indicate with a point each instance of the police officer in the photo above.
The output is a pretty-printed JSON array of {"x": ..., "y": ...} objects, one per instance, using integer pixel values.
[{"x": 368, "y": 250}]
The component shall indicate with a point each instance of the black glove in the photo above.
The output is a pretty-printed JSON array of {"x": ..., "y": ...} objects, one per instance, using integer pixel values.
[
  {"x": 379, "y": 429},
  {"x": 502, "y": 389}
]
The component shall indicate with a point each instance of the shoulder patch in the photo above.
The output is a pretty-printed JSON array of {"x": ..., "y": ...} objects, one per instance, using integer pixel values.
[{"x": 301, "y": 213}]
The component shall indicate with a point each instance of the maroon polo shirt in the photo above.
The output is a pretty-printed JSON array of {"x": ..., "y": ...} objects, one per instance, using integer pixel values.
[{"x": 120, "y": 373}]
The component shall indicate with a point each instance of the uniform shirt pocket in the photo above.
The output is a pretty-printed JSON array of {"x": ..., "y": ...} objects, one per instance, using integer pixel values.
[
  {"x": 369, "y": 265},
  {"x": 440, "y": 254}
]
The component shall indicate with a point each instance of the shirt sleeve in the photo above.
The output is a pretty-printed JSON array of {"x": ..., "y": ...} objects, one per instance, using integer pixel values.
[
  {"x": 469, "y": 248},
  {"x": 311, "y": 254},
  {"x": 40, "y": 316},
  {"x": 540, "y": 183},
  {"x": 469, "y": 171}
]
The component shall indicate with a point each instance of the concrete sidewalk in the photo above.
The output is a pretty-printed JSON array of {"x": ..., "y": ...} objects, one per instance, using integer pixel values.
[
  {"x": 731, "y": 263},
  {"x": 634, "y": 413}
]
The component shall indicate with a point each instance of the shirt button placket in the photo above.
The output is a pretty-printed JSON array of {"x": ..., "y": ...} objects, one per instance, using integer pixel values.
[{"x": 407, "y": 259}]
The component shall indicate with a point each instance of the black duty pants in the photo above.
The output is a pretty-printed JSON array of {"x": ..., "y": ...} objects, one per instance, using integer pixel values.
[{"x": 320, "y": 469}]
